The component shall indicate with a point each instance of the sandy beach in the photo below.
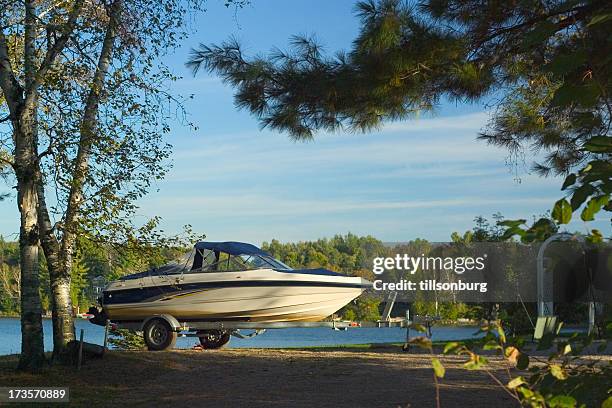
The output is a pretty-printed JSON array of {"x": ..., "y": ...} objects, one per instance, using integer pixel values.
[{"x": 268, "y": 377}]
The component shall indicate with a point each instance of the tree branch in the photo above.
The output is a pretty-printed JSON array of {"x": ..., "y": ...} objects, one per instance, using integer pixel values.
[
  {"x": 13, "y": 93},
  {"x": 88, "y": 125},
  {"x": 53, "y": 52}
]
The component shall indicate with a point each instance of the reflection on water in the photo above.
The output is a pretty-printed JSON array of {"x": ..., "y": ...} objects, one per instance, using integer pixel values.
[{"x": 10, "y": 336}]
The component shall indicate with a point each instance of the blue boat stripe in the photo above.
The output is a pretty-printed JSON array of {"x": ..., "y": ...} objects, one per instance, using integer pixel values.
[{"x": 150, "y": 293}]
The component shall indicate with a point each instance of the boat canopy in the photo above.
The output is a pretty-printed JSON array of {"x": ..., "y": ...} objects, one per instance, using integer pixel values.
[
  {"x": 225, "y": 256},
  {"x": 231, "y": 247}
]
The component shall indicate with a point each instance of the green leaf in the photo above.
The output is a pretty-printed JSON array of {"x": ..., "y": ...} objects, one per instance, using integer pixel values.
[
  {"x": 599, "y": 144},
  {"x": 422, "y": 342},
  {"x": 562, "y": 211},
  {"x": 566, "y": 349},
  {"x": 515, "y": 382},
  {"x": 593, "y": 206},
  {"x": 557, "y": 372},
  {"x": 511, "y": 353},
  {"x": 522, "y": 362},
  {"x": 491, "y": 345},
  {"x": 510, "y": 232},
  {"x": 580, "y": 195},
  {"x": 526, "y": 392},
  {"x": 588, "y": 95},
  {"x": 543, "y": 224},
  {"x": 565, "y": 63},
  {"x": 539, "y": 34},
  {"x": 475, "y": 362},
  {"x": 418, "y": 327},
  {"x": 569, "y": 180},
  {"x": 511, "y": 223},
  {"x": 451, "y": 346},
  {"x": 501, "y": 334},
  {"x": 607, "y": 403},
  {"x": 600, "y": 18},
  {"x": 595, "y": 236},
  {"x": 584, "y": 95},
  {"x": 528, "y": 237},
  {"x": 563, "y": 96},
  {"x": 562, "y": 401},
  {"x": 438, "y": 368}
]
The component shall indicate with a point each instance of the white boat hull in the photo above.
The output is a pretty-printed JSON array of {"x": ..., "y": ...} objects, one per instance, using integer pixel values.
[{"x": 256, "y": 295}]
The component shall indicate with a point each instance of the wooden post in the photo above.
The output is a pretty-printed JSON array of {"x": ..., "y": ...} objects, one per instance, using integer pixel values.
[
  {"x": 106, "y": 328},
  {"x": 80, "y": 355},
  {"x": 406, "y": 346}
]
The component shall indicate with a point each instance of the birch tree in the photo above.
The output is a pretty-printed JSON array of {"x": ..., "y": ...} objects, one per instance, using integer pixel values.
[
  {"x": 21, "y": 93},
  {"x": 88, "y": 105}
]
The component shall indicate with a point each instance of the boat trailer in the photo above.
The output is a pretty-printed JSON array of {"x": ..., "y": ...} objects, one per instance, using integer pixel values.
[{"x": 161, "y": 331}]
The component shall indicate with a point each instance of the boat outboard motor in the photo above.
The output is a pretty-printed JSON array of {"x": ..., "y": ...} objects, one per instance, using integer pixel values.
[{"x": 99, "y": 316}]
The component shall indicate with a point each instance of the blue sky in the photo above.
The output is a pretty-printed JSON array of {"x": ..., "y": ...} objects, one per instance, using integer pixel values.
[{"x": 424, "y": 178}]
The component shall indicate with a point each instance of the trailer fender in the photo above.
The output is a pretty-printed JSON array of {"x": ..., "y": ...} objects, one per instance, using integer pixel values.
[{"x": 176, "y": 326}]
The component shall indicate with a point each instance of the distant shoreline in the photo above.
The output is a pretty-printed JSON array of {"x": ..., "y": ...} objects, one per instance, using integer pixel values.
[{"x": 17, "y": 316}]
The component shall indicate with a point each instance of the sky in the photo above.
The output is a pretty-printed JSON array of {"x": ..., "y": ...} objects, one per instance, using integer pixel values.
[{"x": 420, "y": 178}]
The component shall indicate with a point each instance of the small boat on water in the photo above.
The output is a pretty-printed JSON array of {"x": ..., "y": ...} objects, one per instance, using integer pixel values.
[{"x": 221, "y": 281}]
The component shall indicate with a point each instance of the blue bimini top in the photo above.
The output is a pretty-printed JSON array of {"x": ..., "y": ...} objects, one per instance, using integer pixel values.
[{"x": 232, "y": 248}]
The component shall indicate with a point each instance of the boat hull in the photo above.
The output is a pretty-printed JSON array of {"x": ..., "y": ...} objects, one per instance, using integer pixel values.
[{"x": 262, "y": 295}]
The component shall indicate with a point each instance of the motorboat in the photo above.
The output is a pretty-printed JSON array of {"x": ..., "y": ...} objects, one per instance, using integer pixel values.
[{"x": 225, "y": 281}]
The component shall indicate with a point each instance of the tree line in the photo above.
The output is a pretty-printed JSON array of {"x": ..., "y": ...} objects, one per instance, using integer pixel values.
[{"x": 95, "y": 265}]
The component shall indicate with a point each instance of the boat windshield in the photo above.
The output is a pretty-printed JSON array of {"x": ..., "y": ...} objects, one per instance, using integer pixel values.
[
  {"x": 260, "y": 262},
  {"x": 181, "y": 264},
  {"x": 215, "y": 261}
]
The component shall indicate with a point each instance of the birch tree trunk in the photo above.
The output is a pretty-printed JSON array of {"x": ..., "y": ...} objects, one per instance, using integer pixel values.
[
  {"x": 26, "y": 163},
  {"x": 32, "y": 346},
  {"x": 61, "y": 305},
  {"x": 22, "y": 102},
  {"x": 60, "y": 254}
]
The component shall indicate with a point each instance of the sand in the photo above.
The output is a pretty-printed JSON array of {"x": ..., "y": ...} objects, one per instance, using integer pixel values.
[{"x": 269, "y": 378}]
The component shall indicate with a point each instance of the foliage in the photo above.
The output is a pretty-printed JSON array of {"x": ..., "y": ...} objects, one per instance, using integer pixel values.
[
  {"x": 546, "y": 61},
  {"x": 124, "y": 339},
  {"x": 10, "y": 289},
  {"x": 89, "y": 105},
  {"x": 349, "y": 254},
  {"x": 126, "y": 151},
  {"x": 546, "y": 65},
  {"x": 95, "y": 265},
  {"x": 563, "y": 379},
  {"x": 589, "y": 188},
  {"x": 365, "y": 308}
]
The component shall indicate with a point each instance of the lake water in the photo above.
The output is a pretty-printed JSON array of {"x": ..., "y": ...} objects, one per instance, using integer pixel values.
[{"x": 10, "y": 336}]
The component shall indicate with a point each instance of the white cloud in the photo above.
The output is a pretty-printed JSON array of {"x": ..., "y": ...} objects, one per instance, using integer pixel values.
[
  {"x": 404, "y": 145},
  {"x": 471, "y": 121},
  {"x": 251, "y": 205}
]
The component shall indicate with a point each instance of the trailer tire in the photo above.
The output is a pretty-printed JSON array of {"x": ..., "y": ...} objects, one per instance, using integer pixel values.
[
  {"x": 214, "y": 339},
  {"x": 159, "y": 335}
]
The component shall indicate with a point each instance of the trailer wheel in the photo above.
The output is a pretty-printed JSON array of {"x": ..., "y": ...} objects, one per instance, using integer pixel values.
[
  {"x": 158, "y": 335},
  {"x": 214, "y": 339}
]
